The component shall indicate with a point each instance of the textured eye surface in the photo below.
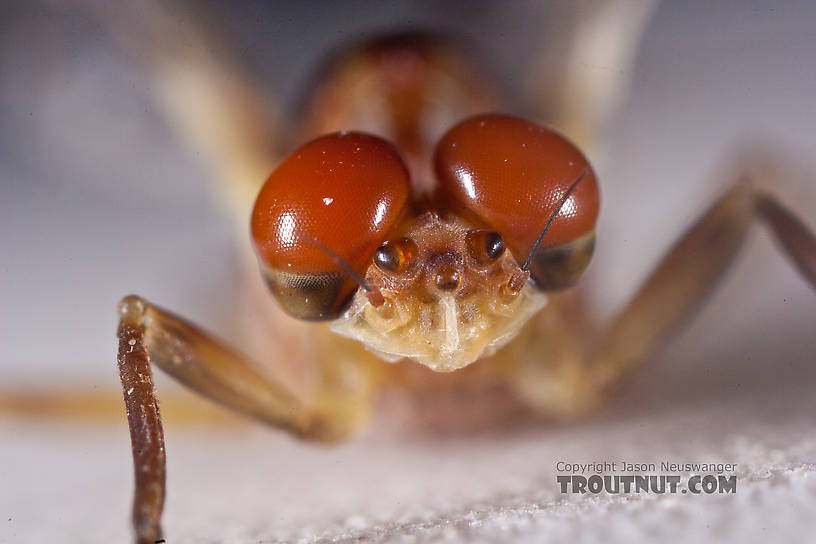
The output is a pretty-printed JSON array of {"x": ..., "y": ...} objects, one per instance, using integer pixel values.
[
  {"x": 512, "y": 174},
  {"x": 338, "y": 194}
]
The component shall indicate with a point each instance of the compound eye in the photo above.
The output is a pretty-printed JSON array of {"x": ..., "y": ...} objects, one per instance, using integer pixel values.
[
  {"x": 485, "y": 246},
  {"x": 395, "y": 256},
  {"x": 334, "y": 199},
  {"x": 512, "y": 174}
]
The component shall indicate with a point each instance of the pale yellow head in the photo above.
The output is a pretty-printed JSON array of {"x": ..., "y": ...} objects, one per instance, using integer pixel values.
[{"x": 448, "y": 296}]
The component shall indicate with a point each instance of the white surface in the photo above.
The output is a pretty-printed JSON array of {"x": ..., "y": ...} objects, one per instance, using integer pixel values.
[
  {"x": 736, "y": 387},
  {"x": 256, "y": 486}
]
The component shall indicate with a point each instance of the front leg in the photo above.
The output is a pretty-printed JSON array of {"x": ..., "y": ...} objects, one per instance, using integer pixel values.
[
  {"x": 149, "y": 335},
  {"x": 573, "y": 381}
]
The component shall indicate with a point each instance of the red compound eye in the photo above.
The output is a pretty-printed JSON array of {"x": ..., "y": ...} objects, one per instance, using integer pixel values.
[
  {"x": 512, "y": 174},
  {"x": 337, "y": 195}
]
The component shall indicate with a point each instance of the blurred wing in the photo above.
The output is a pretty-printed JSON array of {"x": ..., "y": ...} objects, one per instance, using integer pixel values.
[
  {"x": 585, "y": 64},
  {"x": 218, "y": 110}
]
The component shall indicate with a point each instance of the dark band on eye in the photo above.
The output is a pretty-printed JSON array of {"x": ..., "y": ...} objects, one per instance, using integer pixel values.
[{"x": 312, "y": 297}]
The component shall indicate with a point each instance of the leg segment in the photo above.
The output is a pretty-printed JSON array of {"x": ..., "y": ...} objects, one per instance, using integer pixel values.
[
  {"x": 146, "y": 433},
  {"x": 690, "y": 271},
  {"x": 149, "y": 335},
  {"x": 791, "y": 233},
  {"x": 572, "y": 382}
]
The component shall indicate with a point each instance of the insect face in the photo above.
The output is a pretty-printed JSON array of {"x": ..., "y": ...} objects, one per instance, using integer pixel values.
[
  {"x": 443, "y": 281},
  {"x": 448, "y": 303}
]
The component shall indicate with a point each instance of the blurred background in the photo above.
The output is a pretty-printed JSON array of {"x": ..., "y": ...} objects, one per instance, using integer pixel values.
[{"x": 99, "y": 197}]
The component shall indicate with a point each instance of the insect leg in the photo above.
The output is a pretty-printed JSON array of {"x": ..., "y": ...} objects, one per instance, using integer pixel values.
[
  {"x": 149, "y": 335},
  {"x": 690, "y": 271},
  {"x": 555, "y": 376},
  {"x": 146, "y": 433}
]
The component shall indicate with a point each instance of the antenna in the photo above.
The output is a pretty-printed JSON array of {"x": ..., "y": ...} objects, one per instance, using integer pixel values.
[{"x": 553, "y": 215}]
